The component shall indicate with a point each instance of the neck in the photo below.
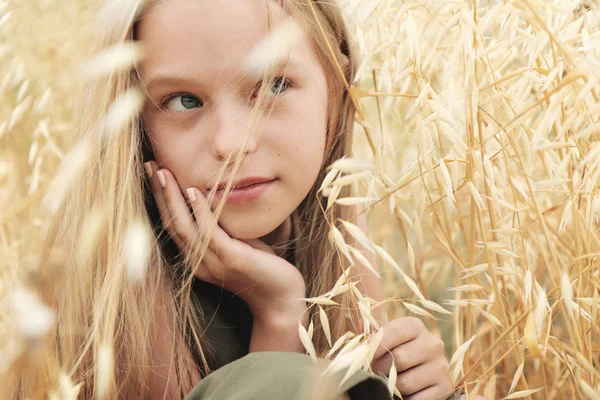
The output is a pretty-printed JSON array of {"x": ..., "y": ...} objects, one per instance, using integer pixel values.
[{"x": 279, "y": 238}]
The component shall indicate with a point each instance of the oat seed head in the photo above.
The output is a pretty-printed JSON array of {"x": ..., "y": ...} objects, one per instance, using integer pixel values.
[
  {"x": 137, "y": 245},
  {"x": 32, "y": 318},
  {"x": 119, "y": 57},
  {"x": 274, "y": 48},
  {"x": 474, "y": 157}
]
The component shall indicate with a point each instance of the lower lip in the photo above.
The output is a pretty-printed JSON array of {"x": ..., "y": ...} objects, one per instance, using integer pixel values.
[{"x": 245, "y": 194}]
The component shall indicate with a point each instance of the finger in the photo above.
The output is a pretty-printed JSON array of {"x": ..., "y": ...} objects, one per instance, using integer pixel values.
[
  {"x": 431, "y": 393},
  {"x": 222, "y": 250},
  {"x": 410, "y": 354},
  {"x": 167, "y": 218},
  {"x": 200, "y": 263},
  {"x": 424, "y": 376},
  {"x": 464, "y": 397},
  {"x": 165, "y": 215},
  {"x": 205, "y": 220},
  {"x": 203, "y": 272},
  {"x": 404, "y": 357},
  {"x": 181, "y": 222},
  {"x": 397, "y": 332}
]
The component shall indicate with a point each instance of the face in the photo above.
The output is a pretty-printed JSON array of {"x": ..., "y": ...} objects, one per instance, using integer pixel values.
[{"x": 200, "y": 104}]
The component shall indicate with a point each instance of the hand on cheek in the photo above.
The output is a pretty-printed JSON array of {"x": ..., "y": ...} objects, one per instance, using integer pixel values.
[
  {"x": 421, "y": 364},
  {"x": 269, "y": 285}
]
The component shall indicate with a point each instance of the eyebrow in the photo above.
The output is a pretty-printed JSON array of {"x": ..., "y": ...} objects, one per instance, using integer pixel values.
[
  {"x": 166, "y": 79},
  {"x": 169, "y": 80}
]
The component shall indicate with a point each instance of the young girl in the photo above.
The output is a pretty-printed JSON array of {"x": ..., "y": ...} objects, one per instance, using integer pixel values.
[{"x": 234, "y": 160}]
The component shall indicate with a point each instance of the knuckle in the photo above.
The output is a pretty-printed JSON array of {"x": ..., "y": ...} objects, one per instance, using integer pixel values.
[
  {"x": 212, "y": 244},
  {"x": 415, "y": 323},
  {"x": 405, "y": 384},
  {"x": 236, "y": 254},
  {"x": 398, "y": 326},
  {"x": 444, "y": 367},
  {"x": 438, "y": 344},
  {"x": 400, "y": 359},
  {"x": 179, "y": 230}
]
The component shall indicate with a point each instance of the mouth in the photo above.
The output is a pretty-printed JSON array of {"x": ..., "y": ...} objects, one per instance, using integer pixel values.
[
  {"x": 246, "y": 182},
  {"x": 245, "y": 190}
]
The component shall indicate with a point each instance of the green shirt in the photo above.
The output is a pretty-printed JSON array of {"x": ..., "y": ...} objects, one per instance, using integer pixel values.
[
  {"x": 227, "y": 322},
  {"x": 238, "y": 374},
  {"x": 277, "y": 375},
  {"x": 266, "y": 375}
]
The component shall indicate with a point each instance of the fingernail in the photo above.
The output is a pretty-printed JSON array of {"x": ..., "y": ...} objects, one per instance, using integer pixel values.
[
  {"x": 148, "y": 168},
  {"x": 191, "y": 194},
  {"x": 161, "y": 178}
]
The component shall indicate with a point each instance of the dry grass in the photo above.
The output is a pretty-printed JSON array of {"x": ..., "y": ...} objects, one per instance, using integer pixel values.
[{"x": 476, "y": 157}]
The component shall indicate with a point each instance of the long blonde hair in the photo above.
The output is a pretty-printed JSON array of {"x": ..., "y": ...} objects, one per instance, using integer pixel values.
[{"x": 97, "y": 308}]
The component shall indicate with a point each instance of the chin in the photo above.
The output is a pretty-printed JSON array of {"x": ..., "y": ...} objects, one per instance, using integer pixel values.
[{"x": 246, "y": 226}]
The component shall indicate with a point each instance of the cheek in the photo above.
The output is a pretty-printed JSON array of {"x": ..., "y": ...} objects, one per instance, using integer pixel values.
[
  {"x": 177, "y": 150},
  {"x": 301, "y": 147},
  {"x": 305, "y": 125}
]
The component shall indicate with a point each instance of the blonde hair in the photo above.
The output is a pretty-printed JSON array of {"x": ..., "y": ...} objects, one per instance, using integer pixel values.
[{"x": 97, "y": 307}]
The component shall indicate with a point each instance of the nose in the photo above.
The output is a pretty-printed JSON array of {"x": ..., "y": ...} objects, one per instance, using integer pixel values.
[{"x": 231, "y": 131}]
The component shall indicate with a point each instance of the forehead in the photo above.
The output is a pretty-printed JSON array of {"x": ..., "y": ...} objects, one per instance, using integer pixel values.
[{"x": 204, "y": 37}]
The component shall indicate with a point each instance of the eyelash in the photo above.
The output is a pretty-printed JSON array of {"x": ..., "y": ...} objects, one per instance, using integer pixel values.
[
  {"x": 163, "y": 103},
  {"x": 286, "y": 81}
]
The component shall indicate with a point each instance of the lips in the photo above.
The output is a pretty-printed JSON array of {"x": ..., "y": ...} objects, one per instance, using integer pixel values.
[
  {"x": 246, "y": 190},
  {"x": 243, "y": 183}
]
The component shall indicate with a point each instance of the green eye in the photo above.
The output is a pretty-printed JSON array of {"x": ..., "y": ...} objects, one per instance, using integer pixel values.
[
  {"x": 280, "y": 85},
  {"x": 183, "y": 102}
]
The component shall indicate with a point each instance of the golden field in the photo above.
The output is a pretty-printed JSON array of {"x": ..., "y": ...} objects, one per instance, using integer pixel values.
[{"x": 478, "y": 134}]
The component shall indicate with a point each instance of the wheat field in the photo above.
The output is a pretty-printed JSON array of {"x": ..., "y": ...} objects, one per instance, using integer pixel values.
[{"x": 476, "y": 159}]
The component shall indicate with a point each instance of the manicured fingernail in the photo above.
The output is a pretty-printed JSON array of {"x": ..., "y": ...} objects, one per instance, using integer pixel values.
[
  {"x": 161, "y": 178},
  {"x": 148, "y": 168},
  {"x": 191, "y": 194}
]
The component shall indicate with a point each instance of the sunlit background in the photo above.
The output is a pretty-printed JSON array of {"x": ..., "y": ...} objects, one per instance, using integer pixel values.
[{"x": 479, "y": 125}]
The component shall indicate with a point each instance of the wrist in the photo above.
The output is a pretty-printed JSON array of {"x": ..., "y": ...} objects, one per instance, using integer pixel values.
[
  {"x": 278, "y": 310},
  {"x": 278, "y": 330},
  {"x": 285, "y": 316},
  {"x": 277, "y": 305}
]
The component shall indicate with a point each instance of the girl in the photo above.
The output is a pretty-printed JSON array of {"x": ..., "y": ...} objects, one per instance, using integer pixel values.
[{"x": 234, "y": 160}]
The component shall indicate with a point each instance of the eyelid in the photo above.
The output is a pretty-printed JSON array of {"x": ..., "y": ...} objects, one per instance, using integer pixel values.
[
  {"x": 287, "y": 80},
  {"x": 163, "y": 105},
  {"x": 171, "y": 96}
]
